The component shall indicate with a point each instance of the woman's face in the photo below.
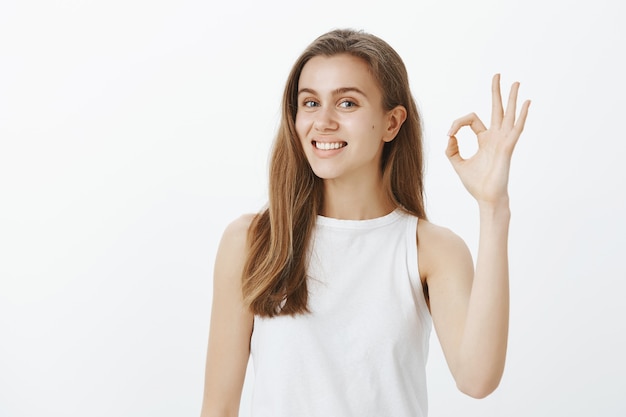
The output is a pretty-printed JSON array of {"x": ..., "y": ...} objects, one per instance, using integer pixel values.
[{"x": 340, "y": 120}]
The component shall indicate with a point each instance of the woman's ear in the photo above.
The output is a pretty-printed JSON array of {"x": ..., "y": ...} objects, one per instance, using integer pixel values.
[{"x": 395, "y": 118}]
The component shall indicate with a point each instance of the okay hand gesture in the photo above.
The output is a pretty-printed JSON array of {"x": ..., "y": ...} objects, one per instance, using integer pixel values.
[{"x": 486, "y": 173}]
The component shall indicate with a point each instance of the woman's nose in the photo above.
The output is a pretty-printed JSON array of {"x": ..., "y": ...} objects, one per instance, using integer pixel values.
[{"x": 325, "y": 119}]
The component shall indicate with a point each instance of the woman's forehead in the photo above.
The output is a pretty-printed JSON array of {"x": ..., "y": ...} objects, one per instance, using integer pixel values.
[{"x": 337, "y": 73}]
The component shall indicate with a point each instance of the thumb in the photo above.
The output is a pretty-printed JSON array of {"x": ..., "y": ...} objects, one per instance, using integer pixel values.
[{"x": 452, "y": 151}]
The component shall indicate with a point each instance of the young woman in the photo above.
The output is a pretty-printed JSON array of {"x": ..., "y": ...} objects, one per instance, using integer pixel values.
[{"x": 332, "y": 287}]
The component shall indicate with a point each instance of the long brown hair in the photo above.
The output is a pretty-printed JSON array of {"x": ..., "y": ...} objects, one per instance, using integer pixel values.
[{"x": 274, "y": 278}]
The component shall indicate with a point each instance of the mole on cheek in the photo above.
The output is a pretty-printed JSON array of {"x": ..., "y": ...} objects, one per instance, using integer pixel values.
[{"x": 373, "y": 127}]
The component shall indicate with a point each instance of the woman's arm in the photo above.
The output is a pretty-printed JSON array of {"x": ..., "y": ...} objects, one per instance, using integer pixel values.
[
  {"x": 470, "y": 309},
  {"x": 231, "y": 327}
]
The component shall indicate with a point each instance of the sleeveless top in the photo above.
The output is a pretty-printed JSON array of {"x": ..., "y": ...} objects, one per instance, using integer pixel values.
[{"x": 362, "y": 349}]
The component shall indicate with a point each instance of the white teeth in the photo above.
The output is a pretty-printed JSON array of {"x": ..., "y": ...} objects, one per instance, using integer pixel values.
[{"x": 326, "y": 146}]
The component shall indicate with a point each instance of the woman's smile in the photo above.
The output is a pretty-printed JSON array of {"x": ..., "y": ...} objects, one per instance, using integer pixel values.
[{"x": 327, "y": 146}]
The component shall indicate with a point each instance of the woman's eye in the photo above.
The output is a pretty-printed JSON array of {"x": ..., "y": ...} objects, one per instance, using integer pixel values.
[
  {"x": 346, "y": 104},
  {"x": 310, "y": 103}
]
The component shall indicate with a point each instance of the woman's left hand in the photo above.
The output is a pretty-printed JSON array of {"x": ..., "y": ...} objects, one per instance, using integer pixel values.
[{"x": 486, "y": 173}]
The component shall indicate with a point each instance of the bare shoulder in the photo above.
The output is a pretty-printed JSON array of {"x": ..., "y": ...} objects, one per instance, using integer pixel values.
[
  {"x": 432, "y": 236},
  {"x": 439, "y": 246},
  {"x": 238, "y": 228},
  {"x": 231, "y": 254}
]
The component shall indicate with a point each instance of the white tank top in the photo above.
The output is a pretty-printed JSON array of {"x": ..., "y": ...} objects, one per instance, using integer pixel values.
[{"x": 362, "y": 350}]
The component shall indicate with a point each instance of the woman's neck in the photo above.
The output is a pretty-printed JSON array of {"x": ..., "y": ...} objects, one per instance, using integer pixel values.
[{"x": 360, "y": 201}]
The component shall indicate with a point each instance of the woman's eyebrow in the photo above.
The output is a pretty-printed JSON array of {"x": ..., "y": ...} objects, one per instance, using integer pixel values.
[
  {"x": 345, "y": 90},
  {"x": 338, "y": 91}
]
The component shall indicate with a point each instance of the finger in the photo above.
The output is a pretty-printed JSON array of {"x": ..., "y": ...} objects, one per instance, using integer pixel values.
[
  {"x": 470, "y": 120},
  {"x": 521, "y": 120},
  {"x": 509, "y": 115},
  {"x": 452, "y": 151},
  {"x": 496, "y": 102}
]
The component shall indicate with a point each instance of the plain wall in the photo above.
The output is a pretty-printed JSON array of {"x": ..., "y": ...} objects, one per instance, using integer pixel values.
[{"x": 133, "y": 132}]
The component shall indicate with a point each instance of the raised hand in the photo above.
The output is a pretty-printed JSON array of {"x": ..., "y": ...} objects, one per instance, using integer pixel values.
[{"x": 486, "y": 173}]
